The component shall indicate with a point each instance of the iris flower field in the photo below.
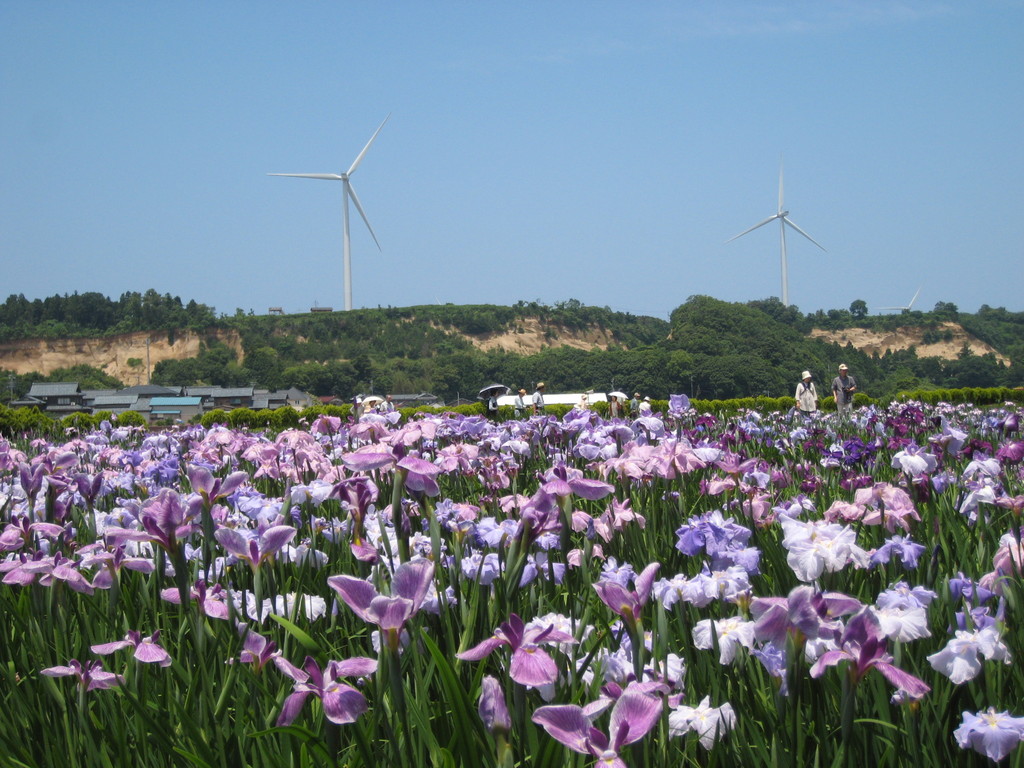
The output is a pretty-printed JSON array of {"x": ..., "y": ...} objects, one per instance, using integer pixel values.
[{"x": 682, "y": 589}]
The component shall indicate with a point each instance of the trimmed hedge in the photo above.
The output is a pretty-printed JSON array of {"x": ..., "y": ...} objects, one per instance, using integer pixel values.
[{"x": 21, "y": 421}]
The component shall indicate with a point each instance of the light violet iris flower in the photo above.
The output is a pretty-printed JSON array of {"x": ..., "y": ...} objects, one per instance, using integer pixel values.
[
  {"x": 991, "y": 733},
  {"x": 531, "y": 665},
  {"x": 633, "y": 716},
  {"x": 709, "y": 723},
  {"x": 732, "y": 634},
  {"x": 959, "y": 660}
]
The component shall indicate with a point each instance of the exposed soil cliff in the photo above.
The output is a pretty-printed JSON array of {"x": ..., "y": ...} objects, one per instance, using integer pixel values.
[
  {"x": 910, "y": 336},
  {"x": 111, "y": 354},
  {"x": 528, "y": 337}
]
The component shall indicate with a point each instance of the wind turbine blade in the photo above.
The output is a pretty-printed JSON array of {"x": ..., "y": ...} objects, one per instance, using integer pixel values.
[
  {"x": 359, "y": 158},
  {"x": 911, "y": 305},
  {"x": 761, "y": 224},
  {"x": 794, "y": 226},
  {"x": 780, "y": 185},
  {"x": 324, "y": 176},
  {"x": 355, "y": 200}
]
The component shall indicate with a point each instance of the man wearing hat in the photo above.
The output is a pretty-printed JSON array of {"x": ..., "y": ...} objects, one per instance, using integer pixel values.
[
  {"x": 538, "y": 399},
  {"x": 520, "y": 403},
  {"x": 806, "y": 395},
  {"x": 843, "y": 387}
]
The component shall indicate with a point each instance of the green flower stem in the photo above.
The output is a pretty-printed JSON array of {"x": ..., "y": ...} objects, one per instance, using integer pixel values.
[{"x": 397, "y": 514}]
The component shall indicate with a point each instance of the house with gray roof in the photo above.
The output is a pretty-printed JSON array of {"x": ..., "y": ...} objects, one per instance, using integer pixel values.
[
  {"x": 175, "y": 409},
  {"x": 55, "y": 398}
]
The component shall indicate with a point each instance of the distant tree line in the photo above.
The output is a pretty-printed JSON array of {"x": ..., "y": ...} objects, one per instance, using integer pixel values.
[
  {"x": 93, "y": 314},
  {"x": 708, "y": 349}
]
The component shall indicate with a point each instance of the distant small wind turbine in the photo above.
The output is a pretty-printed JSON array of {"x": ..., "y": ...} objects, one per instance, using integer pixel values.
[
  {"x": 349, "y": 191},
  {"x": 907, "y": 308},
  {"x": 783, "y": 216}
]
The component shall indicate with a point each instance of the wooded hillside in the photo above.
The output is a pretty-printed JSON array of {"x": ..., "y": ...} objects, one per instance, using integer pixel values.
[{"x": 708, "y": 348}]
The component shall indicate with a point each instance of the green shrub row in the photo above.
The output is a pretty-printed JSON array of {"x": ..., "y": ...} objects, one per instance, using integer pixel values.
[{"x": 22, "y": 421}]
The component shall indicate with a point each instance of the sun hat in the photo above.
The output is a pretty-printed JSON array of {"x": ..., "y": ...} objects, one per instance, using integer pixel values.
[
  {"x": 843, "y": 367},
  {"x": 540, "y": 385},
  {"x": 805, "y": 375},
  {"x": 522, "y": 391}
]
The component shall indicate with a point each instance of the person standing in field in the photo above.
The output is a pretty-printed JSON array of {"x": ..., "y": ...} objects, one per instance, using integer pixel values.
[
  {"x": 806, "y": 395},
  {"x": 843, "y": 388},
  {"x": 538, "y": 399},
  {"x": 634, "y": 406},
  {"x": 614, "y": 409},
  {"x": 520, "y": 403}
]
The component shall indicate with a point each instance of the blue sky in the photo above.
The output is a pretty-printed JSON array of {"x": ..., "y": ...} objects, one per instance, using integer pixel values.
[{"x": 602, "y": 151}]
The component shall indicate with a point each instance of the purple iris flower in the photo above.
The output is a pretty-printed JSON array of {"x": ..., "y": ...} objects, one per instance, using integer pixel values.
[
  {"x": 147, "y": 649},
  {"x": 492, "y": 708},
  {"x": 1011, "y": 452},
  {"x": 971, "y": 591},
  {"x": 991, "y": 733},
  {"x": 904, "y": 549},
  {"x": 368, "y": 458},
  {"x": 678, "y": 405},
  {"x": 633, "y": 716},
  {"x": 420, "y": 475},
  {"x": 805, "y": 614},
  {"x": 409, "y": 587},
  {"x": 628, "y": 603},
  {"x": 91, "y": 676},
  {"x": 257, "y": 650},
  {"x": 1011, "y": 423},
  {"x": 864, "y": 645},
  {"x": 342, "y": 703},
  {"x": 211, "y": 600},
  {"x": 255, "y": 549},
  {"x": 531, "y": 665},
  {"x": 165, "y": 521},
  {"x": 723, "y": 539},
  {"x": 210, "y": 488}
]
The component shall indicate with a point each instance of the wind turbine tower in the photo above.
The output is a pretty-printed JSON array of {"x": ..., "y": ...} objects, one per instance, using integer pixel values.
[
  {"x": 783, "y": 217},
  {"x": 348, "y": 191}
]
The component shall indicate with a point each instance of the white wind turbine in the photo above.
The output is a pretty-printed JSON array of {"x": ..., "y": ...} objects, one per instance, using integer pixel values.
[
  {"x": 907, "y": 308},
  {"x": 783, "y": 217},
  {"x": 348, "y": 192}
]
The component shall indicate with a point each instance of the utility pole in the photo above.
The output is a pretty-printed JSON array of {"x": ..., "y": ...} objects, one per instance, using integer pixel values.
[{"x": 149, "y": 376}]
